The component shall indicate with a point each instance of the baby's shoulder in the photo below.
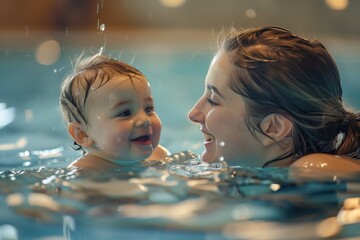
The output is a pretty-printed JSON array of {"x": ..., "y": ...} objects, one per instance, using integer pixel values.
[
  {"x": 159, "y": 153},
  {"x": 83, "y": 162}
]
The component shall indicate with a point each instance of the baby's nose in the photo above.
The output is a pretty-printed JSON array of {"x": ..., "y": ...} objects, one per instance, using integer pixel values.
[{"x": 142, "y": 122}]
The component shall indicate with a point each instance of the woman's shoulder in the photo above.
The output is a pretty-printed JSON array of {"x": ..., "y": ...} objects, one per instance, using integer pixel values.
[
  {"x": 326, "y": 161},
  {"x": 319, "y": 165}
]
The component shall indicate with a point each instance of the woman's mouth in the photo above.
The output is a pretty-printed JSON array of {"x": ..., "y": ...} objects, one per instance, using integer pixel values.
[{"x": 208, "y": 138}]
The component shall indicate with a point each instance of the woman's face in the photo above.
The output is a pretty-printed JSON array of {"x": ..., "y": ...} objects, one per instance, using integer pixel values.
[{"x": 222, "y": 116}]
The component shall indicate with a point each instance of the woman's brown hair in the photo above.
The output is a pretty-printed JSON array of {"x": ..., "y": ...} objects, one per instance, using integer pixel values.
[{"x": 279, "y": 72}]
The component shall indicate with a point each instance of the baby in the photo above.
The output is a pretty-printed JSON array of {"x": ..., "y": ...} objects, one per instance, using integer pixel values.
[{"x": 110, "y": 114}]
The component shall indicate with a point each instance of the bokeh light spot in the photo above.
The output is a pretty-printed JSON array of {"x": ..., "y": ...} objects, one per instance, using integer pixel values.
[
  {"x": 250, "y": 13},
  {"x": 337, "y": 4},
  {"x": 48, "y": 52},
  {"x": 172, "y": 3}
]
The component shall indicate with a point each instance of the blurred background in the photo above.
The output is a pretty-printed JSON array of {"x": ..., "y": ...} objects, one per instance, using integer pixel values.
[{"x": 170, "y": 41}]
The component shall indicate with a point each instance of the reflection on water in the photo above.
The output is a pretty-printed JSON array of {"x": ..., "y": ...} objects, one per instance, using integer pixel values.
[{"x": 181, "y": 198}]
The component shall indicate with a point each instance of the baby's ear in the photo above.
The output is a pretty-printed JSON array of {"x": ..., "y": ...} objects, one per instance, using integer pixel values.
[
  {"x": 79, "y": 134},
  {"x": 277, "y": 127}
]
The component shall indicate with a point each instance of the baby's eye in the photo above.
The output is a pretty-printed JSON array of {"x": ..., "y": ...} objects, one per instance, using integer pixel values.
[
  {"x": 125, "y": 113},
  {"x": 211, "y": 102},
  {"x": 149, "y": 109}
]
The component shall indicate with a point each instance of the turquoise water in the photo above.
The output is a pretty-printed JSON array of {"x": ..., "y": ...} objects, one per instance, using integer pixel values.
[
  {"x": 181, "y": 199},
  {"x": 33, "y": 91}
]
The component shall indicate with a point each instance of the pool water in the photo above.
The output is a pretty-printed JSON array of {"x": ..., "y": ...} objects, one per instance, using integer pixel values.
[
  {"x": 179, "y": 198},
  {"x": 36, "y": 135}
]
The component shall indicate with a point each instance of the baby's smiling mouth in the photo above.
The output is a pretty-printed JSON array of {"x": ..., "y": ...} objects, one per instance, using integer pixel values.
[{"x": 143, "y": 140}]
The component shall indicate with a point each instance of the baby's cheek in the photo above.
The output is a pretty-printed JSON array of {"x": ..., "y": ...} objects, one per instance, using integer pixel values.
[
  {"x": 115, "y": 138},
  {"x": 156, "y": 127}
]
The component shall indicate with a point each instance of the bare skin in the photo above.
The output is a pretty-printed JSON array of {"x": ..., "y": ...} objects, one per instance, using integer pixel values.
[
  {"x": 324, "y": 167},
  {"x": 94, "y": 163},
  {"x": 122, "y": 128}
]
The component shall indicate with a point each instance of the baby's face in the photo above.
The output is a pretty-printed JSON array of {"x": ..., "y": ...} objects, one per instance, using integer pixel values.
[{"x": 122, "y": 121}]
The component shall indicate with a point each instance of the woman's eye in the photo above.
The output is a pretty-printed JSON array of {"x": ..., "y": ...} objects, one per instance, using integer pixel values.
[{"x": 211, "y": 102}]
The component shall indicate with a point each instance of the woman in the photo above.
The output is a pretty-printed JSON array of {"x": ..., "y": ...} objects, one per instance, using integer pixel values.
[{"x": 274, "y": 99}]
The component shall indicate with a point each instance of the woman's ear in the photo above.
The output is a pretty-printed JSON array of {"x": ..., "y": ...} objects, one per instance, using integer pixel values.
[
  {"x": 79, "y": 134},
  {"x": 277, "y": 127}
]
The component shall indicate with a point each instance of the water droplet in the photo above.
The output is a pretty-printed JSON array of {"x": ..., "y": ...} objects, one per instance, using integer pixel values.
[
  {"x": 27, "y": 163},
  {"x": 102, "y": 27}
]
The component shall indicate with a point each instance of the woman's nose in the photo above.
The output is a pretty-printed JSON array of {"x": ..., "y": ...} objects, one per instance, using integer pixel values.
[{"x": 196, "y": 114}]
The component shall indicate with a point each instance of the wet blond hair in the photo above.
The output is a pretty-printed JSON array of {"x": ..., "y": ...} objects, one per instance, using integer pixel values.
[{"x": 77, "y": 86}]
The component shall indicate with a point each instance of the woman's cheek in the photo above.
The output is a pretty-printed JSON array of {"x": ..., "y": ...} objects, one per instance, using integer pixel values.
[{"x": 213, "y": 121}]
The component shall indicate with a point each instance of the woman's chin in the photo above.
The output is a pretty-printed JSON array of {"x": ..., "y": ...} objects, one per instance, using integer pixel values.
[{"x": 209, "y": 158}]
